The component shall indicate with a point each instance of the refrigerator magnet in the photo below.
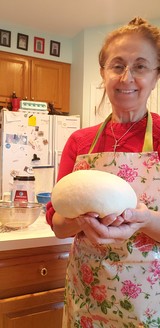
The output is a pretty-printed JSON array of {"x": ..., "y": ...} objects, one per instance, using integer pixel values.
[{"x": 32, "y": 120}]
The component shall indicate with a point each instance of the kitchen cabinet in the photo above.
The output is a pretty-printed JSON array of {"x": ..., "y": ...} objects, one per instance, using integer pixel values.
[
  {"x": 50, "y": 81},
  {"x": 35, "y": 79},
  {"x": 32, "y": 286},
  {"x": 15, "y": 76}
]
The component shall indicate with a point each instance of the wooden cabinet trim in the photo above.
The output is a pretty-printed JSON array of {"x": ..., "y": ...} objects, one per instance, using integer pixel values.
[{"x": 10, "y": 254}]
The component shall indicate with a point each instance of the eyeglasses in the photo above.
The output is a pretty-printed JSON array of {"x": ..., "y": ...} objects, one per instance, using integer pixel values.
[{"x": 138, "y": 70}]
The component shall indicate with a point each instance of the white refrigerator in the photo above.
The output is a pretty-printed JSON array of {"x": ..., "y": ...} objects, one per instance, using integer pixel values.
[{"x": 31, "y": 140}]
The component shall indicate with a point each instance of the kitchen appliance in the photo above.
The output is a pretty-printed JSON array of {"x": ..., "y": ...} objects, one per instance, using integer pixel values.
[{"x": 31, "y": 140}]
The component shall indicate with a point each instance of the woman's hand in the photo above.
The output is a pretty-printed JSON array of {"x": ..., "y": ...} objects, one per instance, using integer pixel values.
[{"x": 112, "y": 229}]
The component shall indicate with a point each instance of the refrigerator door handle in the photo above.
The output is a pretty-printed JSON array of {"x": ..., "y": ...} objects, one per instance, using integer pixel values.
[
  {"x": 57, "y": 157},
  {"x": 50, "y": 136},
  {"x": 50, "y": 163}
]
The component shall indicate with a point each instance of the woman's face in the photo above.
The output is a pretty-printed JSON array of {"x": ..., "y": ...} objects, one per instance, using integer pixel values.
[{"x": 128, "y": 73}]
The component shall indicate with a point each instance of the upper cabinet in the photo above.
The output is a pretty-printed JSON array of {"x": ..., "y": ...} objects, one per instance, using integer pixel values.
[
  {"x": 36, "y": 79},
  {"x": 15, "y": 75},
  {"x": 50, "y": 82}
]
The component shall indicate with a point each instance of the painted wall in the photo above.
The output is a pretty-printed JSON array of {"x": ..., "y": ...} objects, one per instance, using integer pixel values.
[
  {"x": 65, "y": 48},
  {"x": 77, "y": 75},
  {"x": 85, "y": 69}
]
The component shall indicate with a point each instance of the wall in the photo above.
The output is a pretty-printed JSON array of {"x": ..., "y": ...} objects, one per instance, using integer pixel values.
[
  {"x": 77, "y": 75},
  {"x": 85, "y": 69},
  {"x": 65, "y": 47}
]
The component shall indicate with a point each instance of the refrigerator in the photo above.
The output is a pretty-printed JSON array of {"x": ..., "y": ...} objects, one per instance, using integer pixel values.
[{"x": 31, "y": 140}]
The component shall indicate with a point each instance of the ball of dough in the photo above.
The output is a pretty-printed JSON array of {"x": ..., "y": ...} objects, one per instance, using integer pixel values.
[{"x": 96, "y": 191}]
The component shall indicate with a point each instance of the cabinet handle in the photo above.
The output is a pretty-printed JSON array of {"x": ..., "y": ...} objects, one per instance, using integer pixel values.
[{"x": 44, "y": 272}]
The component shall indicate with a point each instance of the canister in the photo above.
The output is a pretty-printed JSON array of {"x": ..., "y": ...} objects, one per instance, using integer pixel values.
[{"x": 24, "y": 189}]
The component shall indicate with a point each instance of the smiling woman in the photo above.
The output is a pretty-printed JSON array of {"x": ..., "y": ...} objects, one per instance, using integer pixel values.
[
  {"x": 130, "y": 76},
  {"x": 109, "y": 249}
]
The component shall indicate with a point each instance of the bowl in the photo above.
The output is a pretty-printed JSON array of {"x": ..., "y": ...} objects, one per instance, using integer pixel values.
[
  {"x": 43, "y": 197},
  {"x": 18, "y": 214}
]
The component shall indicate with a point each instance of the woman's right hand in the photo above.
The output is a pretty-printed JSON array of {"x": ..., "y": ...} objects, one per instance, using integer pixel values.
[{"x": 95, "y": 229}]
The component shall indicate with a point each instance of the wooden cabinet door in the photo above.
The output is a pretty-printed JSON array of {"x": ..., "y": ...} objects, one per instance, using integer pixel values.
[
  {"x": 29, "y": 271},
  {"x": 50, "y": 82},
  {"x": 15, "y": 76},
  {"x": 35, "y": 310}
]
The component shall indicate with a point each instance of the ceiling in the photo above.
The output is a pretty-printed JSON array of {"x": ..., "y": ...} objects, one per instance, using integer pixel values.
[{"x": 66, "y": 18}]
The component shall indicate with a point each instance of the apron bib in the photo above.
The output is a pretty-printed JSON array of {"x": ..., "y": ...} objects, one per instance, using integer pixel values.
[{"x": 117, "y": 285}]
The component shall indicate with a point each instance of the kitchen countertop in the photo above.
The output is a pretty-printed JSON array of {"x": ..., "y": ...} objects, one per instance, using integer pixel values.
[{"x": 38, "y": 234}]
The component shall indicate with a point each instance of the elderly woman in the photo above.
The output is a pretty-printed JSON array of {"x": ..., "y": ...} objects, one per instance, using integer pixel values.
[{"x": 113, "y": 275}]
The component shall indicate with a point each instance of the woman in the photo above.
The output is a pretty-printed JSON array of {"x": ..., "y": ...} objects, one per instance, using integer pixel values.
[{"x": 113, "y": 275}]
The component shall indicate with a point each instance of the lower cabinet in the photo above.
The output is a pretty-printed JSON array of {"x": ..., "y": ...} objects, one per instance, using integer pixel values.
[{"x": 32, "y": 287}]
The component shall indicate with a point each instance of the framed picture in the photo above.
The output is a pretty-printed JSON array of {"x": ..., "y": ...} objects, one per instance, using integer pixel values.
[
  {"x": 55, "y": 48},
  {"x": 5, "y": 38},
  {"x": 22, "y": 41},
  {"x": 39, "y": 45}
]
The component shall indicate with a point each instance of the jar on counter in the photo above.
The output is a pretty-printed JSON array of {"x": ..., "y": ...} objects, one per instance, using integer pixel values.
[{"x": 24, "y": 189}]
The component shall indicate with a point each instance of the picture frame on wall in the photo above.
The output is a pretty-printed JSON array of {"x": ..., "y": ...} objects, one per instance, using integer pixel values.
[
  {"x": 5, "y": 38},
  {"x": 39, "y": 45},
  {"x": 55, "y": 48},
  {"x": 22, "y": 41}
]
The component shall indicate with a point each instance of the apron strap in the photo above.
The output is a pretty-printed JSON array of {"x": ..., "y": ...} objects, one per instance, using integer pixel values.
[
  {"x": 100, "y": 130},
  {"x": 148, "y": 139}
]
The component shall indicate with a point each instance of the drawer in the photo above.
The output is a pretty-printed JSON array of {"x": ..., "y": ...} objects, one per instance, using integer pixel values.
[{"x": 32, "y": 273}]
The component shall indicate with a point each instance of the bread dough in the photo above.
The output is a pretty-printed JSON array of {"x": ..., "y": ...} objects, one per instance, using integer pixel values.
[{"x": 96, "y": 191}]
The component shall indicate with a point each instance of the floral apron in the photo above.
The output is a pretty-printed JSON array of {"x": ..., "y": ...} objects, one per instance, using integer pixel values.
[{"x": 117, "y": 285}]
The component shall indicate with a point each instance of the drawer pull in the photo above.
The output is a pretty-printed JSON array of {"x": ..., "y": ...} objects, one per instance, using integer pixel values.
[{"x": 44, "y": 272}]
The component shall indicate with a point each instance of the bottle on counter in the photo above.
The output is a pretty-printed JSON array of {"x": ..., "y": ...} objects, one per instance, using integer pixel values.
[{"x": 15, "y": 102}]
